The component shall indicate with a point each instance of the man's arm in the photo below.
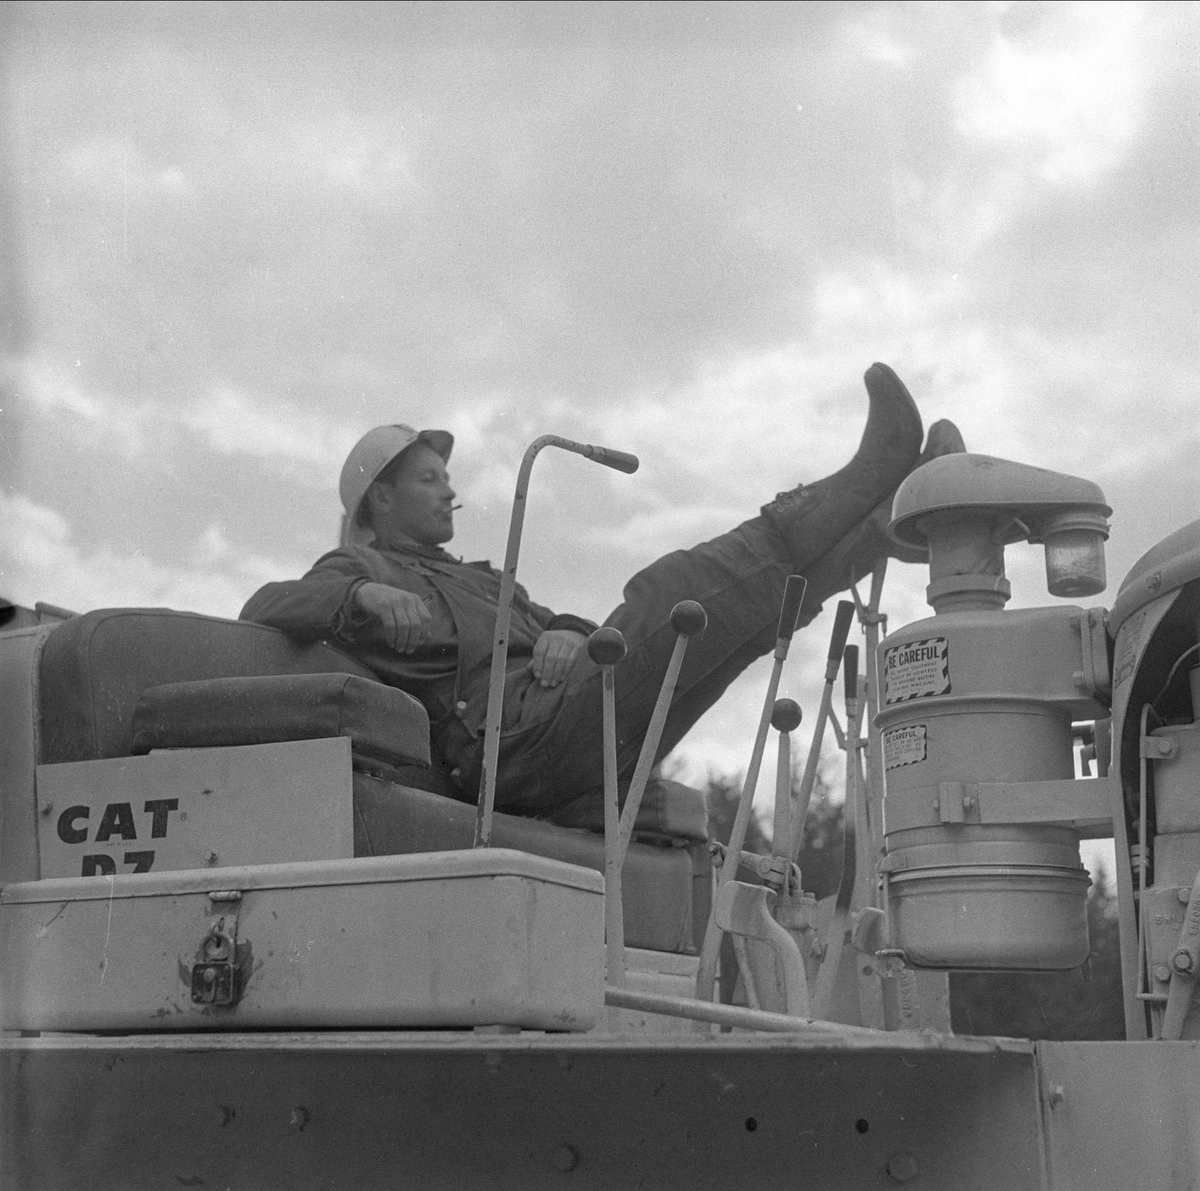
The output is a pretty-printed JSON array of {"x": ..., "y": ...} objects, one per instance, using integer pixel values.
[
  {"x": 404, "y": 617},
  {"x": 320, "y": 604}
]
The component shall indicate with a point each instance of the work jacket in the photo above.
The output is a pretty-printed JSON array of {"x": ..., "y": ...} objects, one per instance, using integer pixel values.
[{"x": 450, "y": 673}]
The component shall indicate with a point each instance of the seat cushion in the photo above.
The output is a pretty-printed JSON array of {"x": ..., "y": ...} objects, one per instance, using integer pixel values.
[
  {"x": 94, "y": 668},
  {"x": 666, "y": 890},
  {"x": 668, "y": 810},
  {"x": 383, "y": 723}
]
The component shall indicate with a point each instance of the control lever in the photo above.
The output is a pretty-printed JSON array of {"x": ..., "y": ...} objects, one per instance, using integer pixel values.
[
  {"x": 688, "y": 619},
  {"x": 837, "y": 642},
  {"x": 785, "y": 719},
  {"x": 606, "y": 647},
  {"x": 836, "y": 933},
  {"x": 776, "y": 979},
  {"x": 789, "y": 614},
  {"x": 620, "y": 461}
]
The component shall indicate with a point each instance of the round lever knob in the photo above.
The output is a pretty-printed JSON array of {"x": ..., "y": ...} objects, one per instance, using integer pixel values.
[
  {"x": 786, "y": 715},
  {"x": 606, "y": 646},
  {"x": 688, "y": 618}
]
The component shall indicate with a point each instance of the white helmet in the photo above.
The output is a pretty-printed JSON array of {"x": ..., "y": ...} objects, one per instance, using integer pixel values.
[{"x": 365, "y": 463}]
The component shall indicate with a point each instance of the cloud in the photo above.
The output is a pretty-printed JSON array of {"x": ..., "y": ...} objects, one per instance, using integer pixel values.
[
  {"x": 1068, "y": 102},
  {"x": 50, "y": 390},
  {"x": 309, "y": 447},
  {"x": 114, "y": 167},
  {"x": 40, "y": 560}
]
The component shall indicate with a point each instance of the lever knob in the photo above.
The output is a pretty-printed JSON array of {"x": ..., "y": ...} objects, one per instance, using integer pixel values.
[
  {"x": 688, "y": 618},
  {"x": 606, "y": 646},
  {"x": 786, "y": 715}
]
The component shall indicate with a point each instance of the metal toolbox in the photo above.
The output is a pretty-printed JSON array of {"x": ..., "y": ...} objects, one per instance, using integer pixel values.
[{"x": 441, "y": 939}]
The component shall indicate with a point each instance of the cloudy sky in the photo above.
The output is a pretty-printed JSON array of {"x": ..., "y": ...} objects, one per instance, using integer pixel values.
[{"x": 238, "y": 235}]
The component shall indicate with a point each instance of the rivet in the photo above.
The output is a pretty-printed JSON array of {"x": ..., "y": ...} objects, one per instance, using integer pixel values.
[
  {"x": 225, "y": 1114},
  {"x": 1184, "y": 894},
  {"x": 210, "y": 857},
  {"x": 1056, "y": 1094},
  {"x": 565, "y": 1158},
  {"x": 902, "y": 1167}
]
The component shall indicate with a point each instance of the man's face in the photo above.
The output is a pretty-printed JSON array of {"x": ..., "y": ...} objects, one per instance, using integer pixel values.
[{"x": 415, "y": 502}]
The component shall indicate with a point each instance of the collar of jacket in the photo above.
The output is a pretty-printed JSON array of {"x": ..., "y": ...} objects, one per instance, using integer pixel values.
[{"x": 417, "y": 549}]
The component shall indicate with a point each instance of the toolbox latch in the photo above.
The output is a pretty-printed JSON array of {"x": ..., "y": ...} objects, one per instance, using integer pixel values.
[{"x": 216, "y": 975}]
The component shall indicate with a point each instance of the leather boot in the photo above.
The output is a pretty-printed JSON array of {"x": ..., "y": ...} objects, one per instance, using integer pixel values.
[
  {"x": 813, "y": 518},
  {"x": 855, "y": 554}
]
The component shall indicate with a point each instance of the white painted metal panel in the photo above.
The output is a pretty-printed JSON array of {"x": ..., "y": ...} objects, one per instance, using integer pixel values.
[
  {"x": 197, "y": 808},
  {"x": 441, "y": 939}
]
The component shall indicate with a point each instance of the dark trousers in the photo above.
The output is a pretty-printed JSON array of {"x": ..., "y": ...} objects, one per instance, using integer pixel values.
[{"x": 739, "y": 579}]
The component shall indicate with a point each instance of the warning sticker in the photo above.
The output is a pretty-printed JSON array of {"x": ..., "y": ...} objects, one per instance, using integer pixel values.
[
  {"x": 904, "y": 746},
  {"x": 916, "y": 669}
]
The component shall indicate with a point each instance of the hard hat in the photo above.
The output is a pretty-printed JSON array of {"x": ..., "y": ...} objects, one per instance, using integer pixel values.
[{"x": 367, "y": 460}]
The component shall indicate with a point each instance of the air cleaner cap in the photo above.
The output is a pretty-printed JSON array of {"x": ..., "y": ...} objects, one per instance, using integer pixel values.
[{"x": 975, "y": 484}]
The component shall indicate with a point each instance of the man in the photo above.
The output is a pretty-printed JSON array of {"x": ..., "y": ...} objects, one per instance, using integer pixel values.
[{"x": 423, "y": 620}]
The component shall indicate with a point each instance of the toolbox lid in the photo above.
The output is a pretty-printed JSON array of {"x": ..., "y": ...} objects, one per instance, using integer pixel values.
[{"x": 423, "y": 866}]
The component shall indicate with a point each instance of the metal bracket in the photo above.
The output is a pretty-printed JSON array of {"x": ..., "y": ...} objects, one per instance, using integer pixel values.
[
  {"x": 957, "y": 803},
  {"x": 1185, "y": 967},
  {"x": 1157, "y": 748},
  {"x": 745, "y": 910},
  {"x": 868, "y": 930},
  {"x": 1082, "y": 803},
  {"x": 771, "y": 869}
]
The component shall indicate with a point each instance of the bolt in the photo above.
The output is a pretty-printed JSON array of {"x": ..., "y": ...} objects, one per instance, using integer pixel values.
[
  {"x": 565, "y": 1158},
  {"x": 968, "y": 801},
  {"x": 1183, "y": 961},
  {"x": 1164, "y": 747},
  {"x": 902, "y": 1167},
  {"x": 299, "y": 1118},
  {"x": 1184, "y": 895},
  {"x": 1056, "y": 1094},
  {"x": 1162, "y": 973}
]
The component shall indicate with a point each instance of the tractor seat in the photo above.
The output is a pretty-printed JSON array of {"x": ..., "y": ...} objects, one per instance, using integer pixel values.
[{"x": 120, "y": 682}]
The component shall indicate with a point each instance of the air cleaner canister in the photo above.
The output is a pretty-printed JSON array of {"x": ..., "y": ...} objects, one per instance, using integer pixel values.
[{"x": 970, "y": 697}]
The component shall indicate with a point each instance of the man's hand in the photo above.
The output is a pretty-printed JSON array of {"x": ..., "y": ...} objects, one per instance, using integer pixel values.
[
  {"x": 554, "y": 655},
  {"x": 406, "y": 621}
]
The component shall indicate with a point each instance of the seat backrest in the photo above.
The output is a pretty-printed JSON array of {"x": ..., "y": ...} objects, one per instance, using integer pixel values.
[{"x": 94, "y": 667}]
